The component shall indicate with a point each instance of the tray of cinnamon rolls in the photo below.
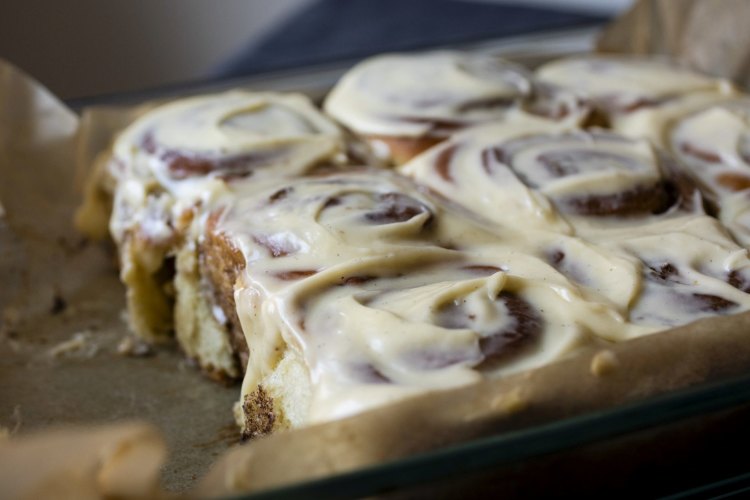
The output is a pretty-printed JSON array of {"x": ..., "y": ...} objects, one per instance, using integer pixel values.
[{"x": 440, "y": 221}]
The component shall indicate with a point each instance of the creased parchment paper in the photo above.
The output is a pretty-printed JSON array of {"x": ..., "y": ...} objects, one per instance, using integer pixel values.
[
  {"x": 61, "y": 302},
  {"x": 62, "y": 322},
  {"x": 709, "y": 35}
]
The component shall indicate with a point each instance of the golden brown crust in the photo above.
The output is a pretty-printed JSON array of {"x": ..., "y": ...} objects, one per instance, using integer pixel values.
[
  {"x": 403, "y": 149},
  {"x": 221, "y": 263},
  {"x": 209, "y": 370},
  {"x": 148, "y": 272}
]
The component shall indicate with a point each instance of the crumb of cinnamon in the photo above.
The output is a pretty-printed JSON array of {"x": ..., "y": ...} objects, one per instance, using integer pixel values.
[
  {"x": 259, "y": 415},
  {"x": 59, "y": 304},
  {"x": 133, "y": 347}
]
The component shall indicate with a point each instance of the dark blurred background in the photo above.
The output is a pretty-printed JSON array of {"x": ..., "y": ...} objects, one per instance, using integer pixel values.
[{"x": 93, "y": 47}]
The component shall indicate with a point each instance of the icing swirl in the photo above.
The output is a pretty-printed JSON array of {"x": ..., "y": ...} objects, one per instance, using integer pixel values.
[
  {"x": 426, "y": 94},
  {"x": 188, "y": 151},
  {"x": 228, "y": 135},
  {"x": 541, "y": 175}
]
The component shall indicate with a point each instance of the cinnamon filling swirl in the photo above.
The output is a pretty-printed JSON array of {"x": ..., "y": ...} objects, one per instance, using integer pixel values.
[
  {"x": 622, "y": 85},
  {"x": 524, "y": 327},
  {"x": 182, "y": 165}
]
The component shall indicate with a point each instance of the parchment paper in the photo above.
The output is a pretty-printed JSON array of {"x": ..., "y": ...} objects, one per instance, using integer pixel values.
[
  {"x": 711, "y": 36},
  {"x": 61, "y": 302},
  {"x": 62, "y": 306}
]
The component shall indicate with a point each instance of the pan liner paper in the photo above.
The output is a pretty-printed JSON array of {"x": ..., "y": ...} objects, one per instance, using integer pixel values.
[{"x": 711, "y": 36}]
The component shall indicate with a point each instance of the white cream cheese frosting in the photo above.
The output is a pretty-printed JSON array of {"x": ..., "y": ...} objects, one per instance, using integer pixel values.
[
  {"x": 709, "y": 134},
  {"x": 529, "y": 173},
  {"x": 387, "y": 292}
]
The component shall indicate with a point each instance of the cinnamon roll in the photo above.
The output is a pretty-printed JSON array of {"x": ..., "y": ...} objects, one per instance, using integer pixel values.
[
  {"x": 167, "y": 170},
  {"x": 539, "y": 175},
  {"x": 305, "y": 219},
  {"x": 594, "y": 205},
  {"x": 354, "y": 289},
  {"x": 619, "y": 85},
  {"x": 405, "y": 103}
]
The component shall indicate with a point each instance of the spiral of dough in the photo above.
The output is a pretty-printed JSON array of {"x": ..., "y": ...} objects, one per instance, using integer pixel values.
[{"x": 536, "y": 175}]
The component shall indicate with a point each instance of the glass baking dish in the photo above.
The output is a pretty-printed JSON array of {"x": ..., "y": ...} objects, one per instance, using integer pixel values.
[
  {"x": 637, "y": 449},
  {"x": 623, "y": 442}
]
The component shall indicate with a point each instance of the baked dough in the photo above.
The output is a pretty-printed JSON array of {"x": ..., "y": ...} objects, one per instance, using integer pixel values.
[{"x": 402, "y": 104}]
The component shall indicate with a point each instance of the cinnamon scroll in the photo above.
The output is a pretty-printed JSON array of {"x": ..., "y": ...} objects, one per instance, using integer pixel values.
[
  {"x": 169, "y": 168},
  {"x": 617, "y": 86},
  {"x": 538, "y": 175},
  {"x": 403, "y": 104},
  {"x": 710, "y": 136},
  {"x": 613, "y": 214}
]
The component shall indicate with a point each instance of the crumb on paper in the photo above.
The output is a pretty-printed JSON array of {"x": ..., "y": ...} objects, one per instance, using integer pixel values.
[
  {"x": 59, "y": 304},
  {"x": 188, "y": 364},
  {"x": 79, "y": 345},
  {"x": 134, "y": 347},
  {"x": 604, "y": 363}
]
